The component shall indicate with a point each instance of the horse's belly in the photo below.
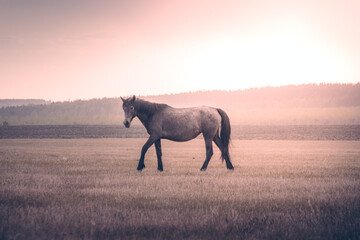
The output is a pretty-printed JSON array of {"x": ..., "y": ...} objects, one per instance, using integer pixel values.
[{"x": 181, "y": 131}]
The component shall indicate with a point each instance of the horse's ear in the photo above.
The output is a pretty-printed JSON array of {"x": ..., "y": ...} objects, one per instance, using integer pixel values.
[
  {"x": 133, "y": 99},
  {"x": 122, "y": 99}
]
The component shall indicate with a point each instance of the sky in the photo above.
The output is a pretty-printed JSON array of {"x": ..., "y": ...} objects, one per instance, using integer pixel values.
[{"x": 80, "y": 49}]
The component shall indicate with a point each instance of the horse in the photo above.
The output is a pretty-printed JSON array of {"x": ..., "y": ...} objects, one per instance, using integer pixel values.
[{"x": 179, "y": 124}]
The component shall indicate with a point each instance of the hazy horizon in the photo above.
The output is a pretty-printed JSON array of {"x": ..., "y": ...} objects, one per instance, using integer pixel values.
[
  {"x": 305, "y": 104},
  {"x": 161, "y": 95},
  {"x": 65, "y": 50}
]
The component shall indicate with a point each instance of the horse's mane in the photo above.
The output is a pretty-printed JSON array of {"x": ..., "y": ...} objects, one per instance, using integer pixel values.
[{"x": 148, "y": 108}]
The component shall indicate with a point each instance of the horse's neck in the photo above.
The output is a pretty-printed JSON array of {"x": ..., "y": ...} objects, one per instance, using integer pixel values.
[
  {"x": 144, "y": 118},
  {"x": 145, "y": 111}
]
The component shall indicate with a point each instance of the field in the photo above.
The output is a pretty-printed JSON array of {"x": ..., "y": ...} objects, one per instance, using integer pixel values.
[{"x": 90, "y": 189}]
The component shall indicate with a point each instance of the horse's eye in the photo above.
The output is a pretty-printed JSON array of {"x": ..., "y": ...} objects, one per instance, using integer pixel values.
[{"x": 132, "y": 108}]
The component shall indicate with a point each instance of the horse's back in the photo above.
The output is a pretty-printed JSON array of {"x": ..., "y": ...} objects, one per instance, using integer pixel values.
[{"x": 195, "y": 115}]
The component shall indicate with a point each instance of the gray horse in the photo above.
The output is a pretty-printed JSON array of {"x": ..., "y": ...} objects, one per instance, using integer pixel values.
[{"x": 179, "y": 124}]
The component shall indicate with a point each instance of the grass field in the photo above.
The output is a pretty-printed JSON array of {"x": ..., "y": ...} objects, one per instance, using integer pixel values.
[{"x": 90, "y": 189}]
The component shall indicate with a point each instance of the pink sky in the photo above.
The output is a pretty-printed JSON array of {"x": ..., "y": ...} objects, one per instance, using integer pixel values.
[{"x": 66, "y": 50}]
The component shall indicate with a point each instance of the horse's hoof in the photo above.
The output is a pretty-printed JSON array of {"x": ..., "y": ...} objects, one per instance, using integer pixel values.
[
  {"x": 202, "y": 169},
  {"x": 139, "y": 169},
  {"x": 160, "y": 169},
  {"x": 230, "y": 168}
]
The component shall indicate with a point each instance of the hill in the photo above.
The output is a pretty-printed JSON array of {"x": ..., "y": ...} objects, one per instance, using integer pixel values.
[
  {"x": 290, "y": 105},
  {"x": 94, "y": 111},
  {"x": 21, "y": 102}
]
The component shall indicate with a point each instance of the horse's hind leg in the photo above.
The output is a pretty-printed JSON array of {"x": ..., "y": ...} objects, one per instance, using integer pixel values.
[
  {"x": 158, "y": 154},
  {"x": 224, "y": 152},
  {"x": 209, "y": 153}
]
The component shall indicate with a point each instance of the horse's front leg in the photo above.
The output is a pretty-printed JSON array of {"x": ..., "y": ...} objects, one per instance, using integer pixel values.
[
  {"x": 159, "y": 154},
  {"x": 144, "y": 149}
]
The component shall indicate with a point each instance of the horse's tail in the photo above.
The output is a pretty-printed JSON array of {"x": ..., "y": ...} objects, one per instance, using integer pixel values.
[{"x": 225, "y": 134}]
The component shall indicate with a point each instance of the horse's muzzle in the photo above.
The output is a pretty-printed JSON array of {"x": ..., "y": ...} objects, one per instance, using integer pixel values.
[{"x": 127, "y": 124}]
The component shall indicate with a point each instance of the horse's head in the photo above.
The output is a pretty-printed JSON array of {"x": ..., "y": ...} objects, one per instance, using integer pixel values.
[{"x": 129, "y": 110}]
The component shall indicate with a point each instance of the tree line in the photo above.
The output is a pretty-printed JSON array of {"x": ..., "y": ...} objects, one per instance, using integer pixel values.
[{"x": 293, "y": 104}]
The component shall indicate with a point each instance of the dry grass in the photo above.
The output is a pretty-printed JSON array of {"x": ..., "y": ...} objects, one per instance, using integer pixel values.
[{"x": 90, "y": 189}]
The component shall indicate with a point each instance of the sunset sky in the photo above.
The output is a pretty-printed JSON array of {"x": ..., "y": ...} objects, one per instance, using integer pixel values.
[{"x": 80, "y": 49}]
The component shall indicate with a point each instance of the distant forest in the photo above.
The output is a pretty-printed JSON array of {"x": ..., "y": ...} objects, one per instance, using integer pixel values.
[
  {"x": 291, "y": 105},
  {"x": 21, "y": 102}
]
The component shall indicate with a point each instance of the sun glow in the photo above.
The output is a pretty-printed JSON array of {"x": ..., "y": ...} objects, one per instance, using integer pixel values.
[
  {"x": 268, "y": 60},
  {"x": 278, "y": 56},
  {"x": 231, "y": 62}
]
